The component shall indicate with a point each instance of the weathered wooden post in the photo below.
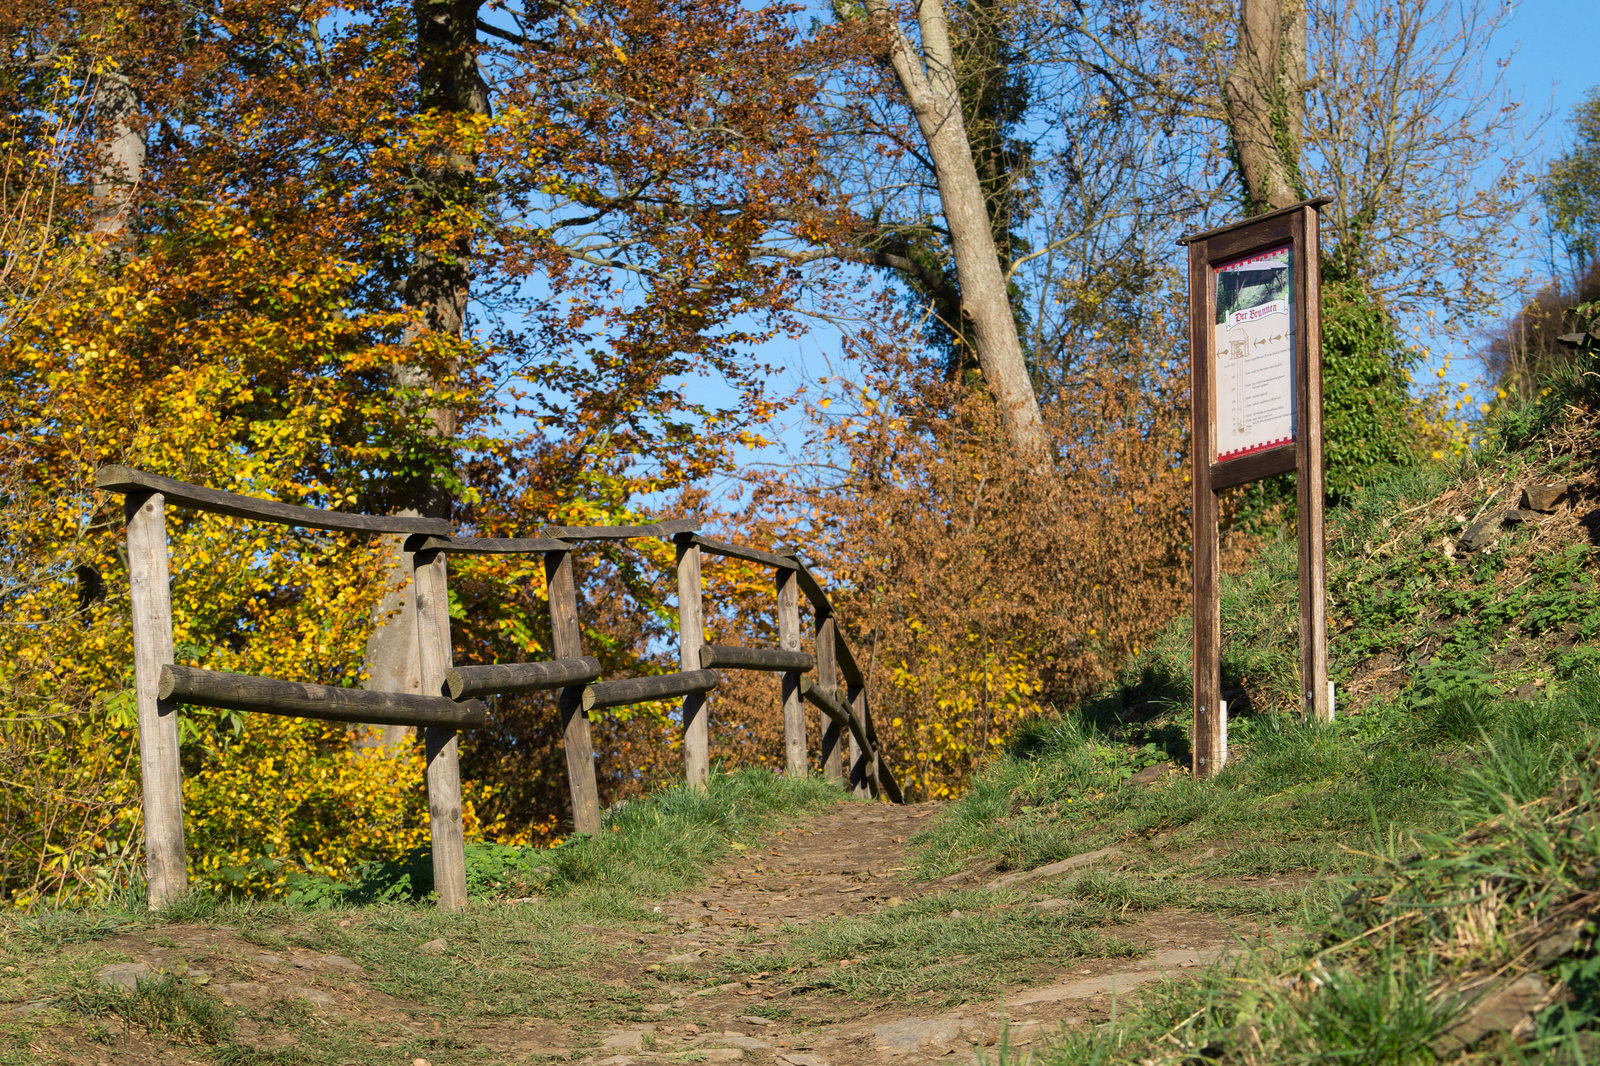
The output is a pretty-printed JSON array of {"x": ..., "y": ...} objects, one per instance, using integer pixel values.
[
  {"x": 440, "y": 743},
  {"x": 828, "y": 678},
  {"x": 860, "y": 763},
  {"x": 567, "y": 641},
  {"x": 691, "y": 635},
  {"x": 794, "y": 715},
  {"x": 160, "y": 773}
]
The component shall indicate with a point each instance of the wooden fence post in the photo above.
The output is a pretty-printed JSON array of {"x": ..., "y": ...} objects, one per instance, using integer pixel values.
[
  {"x": 860, "y": 763},
  {"x": 794, "y": 715},
  {"x": 161, "y": 775},
  {"x": 691, "y": 635},
  {"x": 441, "y": 744},
  {"x": 828, "y": 678},
  {"x": 567, "y": 641}
]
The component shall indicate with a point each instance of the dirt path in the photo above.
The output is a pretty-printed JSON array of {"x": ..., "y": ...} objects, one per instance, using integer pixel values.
[
  {"x": 852, "y": 860},
  {"x": 372, "y": 987}
]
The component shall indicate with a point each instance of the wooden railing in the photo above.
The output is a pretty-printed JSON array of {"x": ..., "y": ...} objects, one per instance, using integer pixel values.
[{"x": 447, "y": 702}]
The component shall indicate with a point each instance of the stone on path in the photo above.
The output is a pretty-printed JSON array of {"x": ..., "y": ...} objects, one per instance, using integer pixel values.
[
  {"x": 124, "y": 975},
  {"x": 314, "y": 996},
  {"x": 1054, "y": 868},
  {"x": 1498, "y": 1011},
  {"x": 909, "y": 1034},
  {"x": 623, "y": 1040}
]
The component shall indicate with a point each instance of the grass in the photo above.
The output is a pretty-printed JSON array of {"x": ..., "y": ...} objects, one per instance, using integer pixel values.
[
  {"x": 506, "y": 962},
  {"x": 943, "y": 949},
  {"x": 1447, "y": 833},
  {"x": 1440, "y": 918}
]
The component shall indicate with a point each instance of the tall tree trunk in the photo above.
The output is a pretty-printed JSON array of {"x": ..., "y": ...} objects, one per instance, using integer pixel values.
[
  {"x": 930, "y": 85},
  {"x": 438, "y": 288},
  {"x": 119, "y": 163},
  {"x": 1266, "y": 103}
]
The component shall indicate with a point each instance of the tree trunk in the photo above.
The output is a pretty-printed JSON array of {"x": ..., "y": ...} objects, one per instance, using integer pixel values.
[
  {"x": 930, "y": 85},
  {"x": 119, "y": 163},
  {"x": 1266, "y": 104},
  {"x": 438, "y": 288}
]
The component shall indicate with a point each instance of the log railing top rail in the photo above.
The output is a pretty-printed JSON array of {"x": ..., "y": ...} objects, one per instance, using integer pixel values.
[
  {"x": 491, "y": 545},
  {"x": 735, "y": 551},
  {"x": 669, "y": 528},
  {"x": 128, "y": 481}
]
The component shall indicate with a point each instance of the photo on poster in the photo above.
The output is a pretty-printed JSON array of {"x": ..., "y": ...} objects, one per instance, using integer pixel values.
[{"x": 1253, "y": 357}]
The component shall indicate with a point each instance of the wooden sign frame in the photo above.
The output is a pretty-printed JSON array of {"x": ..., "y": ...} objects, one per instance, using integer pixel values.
[{"x": 1292, "y": 229}]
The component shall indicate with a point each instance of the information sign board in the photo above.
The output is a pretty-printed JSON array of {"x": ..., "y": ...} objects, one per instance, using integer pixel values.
[{"x": 1256, "y": 364}]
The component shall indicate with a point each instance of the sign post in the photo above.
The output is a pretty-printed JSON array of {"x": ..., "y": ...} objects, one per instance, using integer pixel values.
[{"x": 1256, "y": 362}]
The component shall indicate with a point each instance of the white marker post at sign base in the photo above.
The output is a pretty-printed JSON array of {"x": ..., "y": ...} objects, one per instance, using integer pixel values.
[{"x": 1222, "y": 718}]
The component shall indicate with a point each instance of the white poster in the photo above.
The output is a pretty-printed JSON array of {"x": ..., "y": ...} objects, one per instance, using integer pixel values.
[{"x": 1253, "y": 383}]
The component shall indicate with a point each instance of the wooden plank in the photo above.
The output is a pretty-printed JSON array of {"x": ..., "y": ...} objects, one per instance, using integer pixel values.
[
  {"x": 1253, "y": 467},
  {"x": 723, "y": 656},
  {"x": 626, "y": 691},
  {"x": 294, "y": 699},
  {"x": 131, "y": 483},
  {"x": 1206, "y": 736},
  {"x": 166, "y": 871},
  {"x": 566, "y": 641},
  {"x": 441, "y": 745},
  {"x": 492, "y": 545},
  {"x": 825, "y": 639},
  {"x": 1283, "y": 213},
  {"x": 1310, "y": 496},
  {"x": 503, "y": 678},
  {"x": 669, "y": 528},
  {"x": 691, "y": 642},
  {"x": 734, "y": 551},
  {"x": 794, "y": 715}
]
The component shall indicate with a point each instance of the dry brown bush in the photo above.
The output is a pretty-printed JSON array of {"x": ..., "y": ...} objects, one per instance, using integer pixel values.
[{"x": 976, "y": 591}]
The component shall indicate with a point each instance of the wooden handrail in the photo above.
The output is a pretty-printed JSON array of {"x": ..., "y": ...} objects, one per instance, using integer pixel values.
[
  {"x": 270, "y": 695},
  {"x": 160, "y": 684},
  {"x": 490, "y": 545},
  {"x": 130, "y": 482},
  {"x": 669, "y": 528},
  {"x": 628, "y": 690},
  {"x": 502, "y": 678},
  {"x": 733, "y": 658},
  {"x": 735, "y": 551}
]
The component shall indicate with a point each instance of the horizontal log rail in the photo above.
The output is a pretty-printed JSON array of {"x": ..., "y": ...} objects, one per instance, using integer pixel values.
[
  {"x": 713, "y": 656},
  {"x": 269, "y": 695},
  {"x": 827, "y": 700},
  {"x": 130, "y": 482},
  {"x": 464, "y": 681},
  {"x": 630, "y": 690},
  {"x": 666, "y": 529},
  {"x": 735, "y": 551},
  {"x": 490, "y": 545}
]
